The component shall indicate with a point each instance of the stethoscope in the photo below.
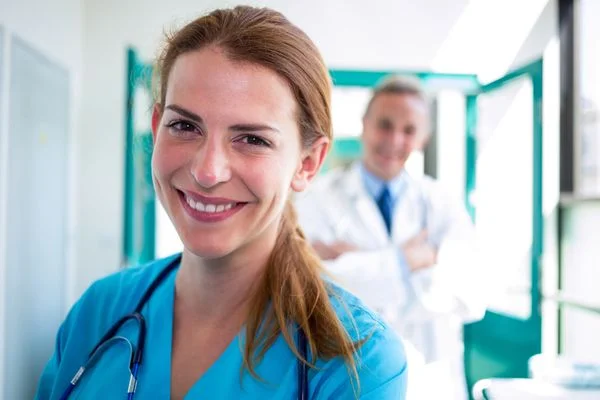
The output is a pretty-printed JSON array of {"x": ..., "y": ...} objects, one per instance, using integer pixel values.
[{"x": 137, "y": 353}]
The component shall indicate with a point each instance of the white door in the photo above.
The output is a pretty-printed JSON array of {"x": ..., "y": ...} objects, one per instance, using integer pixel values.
[{"x": 36, "y": 215}]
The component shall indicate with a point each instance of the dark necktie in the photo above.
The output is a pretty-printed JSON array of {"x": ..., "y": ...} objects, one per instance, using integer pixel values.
[{"x": 386, "y": 206}]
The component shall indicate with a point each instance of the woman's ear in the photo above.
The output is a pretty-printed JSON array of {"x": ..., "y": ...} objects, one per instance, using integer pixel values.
[
  {"x": 310, "y": 164},
  {"x": 156, "y": 116}
]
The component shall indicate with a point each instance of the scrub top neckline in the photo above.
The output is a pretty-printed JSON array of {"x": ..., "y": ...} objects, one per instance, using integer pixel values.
[{"x": 162, "y": 341}]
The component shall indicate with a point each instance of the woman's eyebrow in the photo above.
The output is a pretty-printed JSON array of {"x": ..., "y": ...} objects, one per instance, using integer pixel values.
[
  {"x": 254, "y": 128},
  {"x": 250, "y": 127},
  {"x": 186, "y": 113}
]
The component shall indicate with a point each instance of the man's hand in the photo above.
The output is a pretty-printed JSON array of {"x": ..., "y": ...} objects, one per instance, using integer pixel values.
[
  {"x": 333, "y": 250},
  {"x": 418, "y": 253}
]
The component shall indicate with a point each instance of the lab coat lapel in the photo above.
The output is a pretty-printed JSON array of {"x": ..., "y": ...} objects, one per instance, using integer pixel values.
[
  {"x": 366, "y": 210},
  {"x": 409, "y": 212}
]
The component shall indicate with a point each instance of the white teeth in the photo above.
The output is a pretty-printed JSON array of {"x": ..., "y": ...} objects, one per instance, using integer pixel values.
[
  {"x": 211, "y": 208},
  {"x": 191, "y": 202}
]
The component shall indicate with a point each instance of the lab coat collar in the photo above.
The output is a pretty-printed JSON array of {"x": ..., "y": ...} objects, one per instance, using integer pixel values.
[
  {"x": 352, "y": 182},
  {"x": 354, "y": 188},
  {"x": 374, "y": 185}
]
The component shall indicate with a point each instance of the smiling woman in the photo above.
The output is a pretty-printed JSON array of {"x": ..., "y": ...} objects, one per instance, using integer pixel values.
[
  {"x": 225, "y": 125},
  {"x": 242, "y": 119}
]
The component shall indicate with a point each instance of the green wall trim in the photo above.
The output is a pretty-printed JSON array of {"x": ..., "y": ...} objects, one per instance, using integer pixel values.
[
  {"x": 358, "y": 78},
  {"x": 470, "y": 152}
]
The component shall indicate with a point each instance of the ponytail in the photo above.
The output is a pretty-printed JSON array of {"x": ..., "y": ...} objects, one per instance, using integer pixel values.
[{"x": 294, "y": 296}]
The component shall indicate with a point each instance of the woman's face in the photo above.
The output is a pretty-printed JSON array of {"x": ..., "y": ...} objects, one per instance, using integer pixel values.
[{"x": 227, "y": 152}]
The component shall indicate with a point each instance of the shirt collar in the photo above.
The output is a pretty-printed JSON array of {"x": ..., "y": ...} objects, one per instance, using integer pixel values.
[{"x": 374, "y": 184}]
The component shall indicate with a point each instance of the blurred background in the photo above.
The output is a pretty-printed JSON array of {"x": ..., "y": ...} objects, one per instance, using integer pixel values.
[{"x": 514, "y": 85}]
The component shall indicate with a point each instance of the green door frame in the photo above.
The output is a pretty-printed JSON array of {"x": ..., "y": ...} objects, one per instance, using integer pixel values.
[
  {"x": 369, "y": 79},
  {"x": 139, "y": 223},
  {"x": 496, "y": 333}
]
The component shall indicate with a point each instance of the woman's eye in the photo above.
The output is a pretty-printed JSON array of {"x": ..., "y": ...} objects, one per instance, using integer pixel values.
[
  {"x": 254, "y": 140},
  {"x": 182, "y": 126}
]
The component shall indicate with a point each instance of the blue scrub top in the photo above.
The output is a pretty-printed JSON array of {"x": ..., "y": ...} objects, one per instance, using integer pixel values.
[{"x": 381, "y": 364}]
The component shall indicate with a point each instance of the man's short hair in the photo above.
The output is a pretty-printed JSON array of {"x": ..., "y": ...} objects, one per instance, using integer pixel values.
[{"x": 397, "y": 84}]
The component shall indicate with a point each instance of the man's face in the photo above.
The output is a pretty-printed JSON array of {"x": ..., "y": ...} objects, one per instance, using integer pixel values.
[{"x": 394, "y": 126}]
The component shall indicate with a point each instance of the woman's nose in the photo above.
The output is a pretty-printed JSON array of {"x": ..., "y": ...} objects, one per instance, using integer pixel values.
[{"x": 211, "y": 164}]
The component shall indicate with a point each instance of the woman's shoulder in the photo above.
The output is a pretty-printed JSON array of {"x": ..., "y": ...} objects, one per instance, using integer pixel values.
[
  {"x": 102, "y": 304},
  {"x": 113, "y": 295},
  {"x": 381, "y": 358},
  {"x": 357, "y": 318},
  {"x": 126, "y": 286}
]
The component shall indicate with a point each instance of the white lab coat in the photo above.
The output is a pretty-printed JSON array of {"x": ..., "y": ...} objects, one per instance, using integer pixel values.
[{"x": 427, "y": 308}]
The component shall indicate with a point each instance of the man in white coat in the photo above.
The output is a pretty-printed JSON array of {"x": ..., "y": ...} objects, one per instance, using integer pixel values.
[{"x": 398, "y": 241}]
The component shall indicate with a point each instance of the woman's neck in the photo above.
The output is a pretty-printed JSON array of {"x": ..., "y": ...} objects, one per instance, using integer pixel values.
[{"x": 221, "y": 289}]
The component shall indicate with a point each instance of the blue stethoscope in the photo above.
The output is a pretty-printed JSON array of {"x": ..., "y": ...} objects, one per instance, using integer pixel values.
[{"x": 137, "y": 354}]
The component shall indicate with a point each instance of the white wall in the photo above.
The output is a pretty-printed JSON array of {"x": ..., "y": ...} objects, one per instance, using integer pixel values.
[
  {"x": 543, "y": 31},
  {"x": 55, "y": 30},
  {"x": 580, "y": 280},
  {"x": 587, "y": 65},
  {"x": 580, "y": 263}
]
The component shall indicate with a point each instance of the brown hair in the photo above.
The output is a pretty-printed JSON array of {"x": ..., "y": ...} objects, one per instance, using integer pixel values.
[
  {"x": 397, "y": 84},
  {"x": 292, "y": 293}
]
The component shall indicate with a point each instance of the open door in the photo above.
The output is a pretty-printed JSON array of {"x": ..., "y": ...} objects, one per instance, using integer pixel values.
[{"x": 504, "y": 196}]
